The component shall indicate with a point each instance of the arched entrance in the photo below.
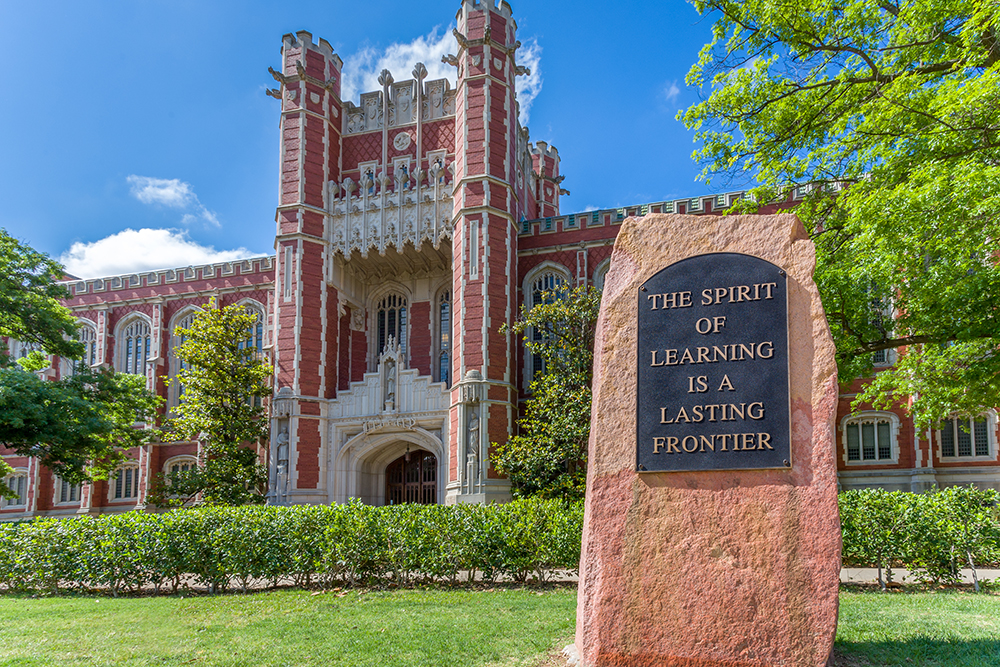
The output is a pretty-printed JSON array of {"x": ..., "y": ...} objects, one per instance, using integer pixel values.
[{"x": 412, "y": 478}]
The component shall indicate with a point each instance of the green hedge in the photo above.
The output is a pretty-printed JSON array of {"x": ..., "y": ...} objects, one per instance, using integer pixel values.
[
  {"x": 934, "y": 535},
  {"x": 220, "y": 548}
]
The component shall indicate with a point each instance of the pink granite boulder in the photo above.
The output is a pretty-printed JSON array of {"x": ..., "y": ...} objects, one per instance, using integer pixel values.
[{"x": 720, "y": 567}]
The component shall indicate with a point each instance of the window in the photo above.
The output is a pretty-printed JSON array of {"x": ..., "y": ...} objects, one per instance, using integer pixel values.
[
  {"x": 87, "y": 335},
  {"x": 254, "y": 342},
  {"x": 444, "y": 337},
  {"x": 546, "y": 282},
  {"x": 66, "y": 492},
  {"x": 962, "y": 437},
  {"x": 18, "y": 483},
  {"x": 180, "y": 464},
  {"x": 255, "y": 336},
  {"x": 134, "y": 343},
  {"x": 176, "y": 364},
  {"x": 391, "y": 321},
  {"x": 871, "y": 437},
  {"x": 601, "y": 273},
  {"x": 126, "y": 483}
]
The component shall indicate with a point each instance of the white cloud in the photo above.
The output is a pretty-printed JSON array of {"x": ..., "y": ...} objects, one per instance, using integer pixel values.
[
  {"x": 172, "y": 193},
  {"x": 361, "y": 70},
  {"x": 671, "y": 92},
  {"x": 528, "y": 86},
  {"x": 135, "y": 250}
]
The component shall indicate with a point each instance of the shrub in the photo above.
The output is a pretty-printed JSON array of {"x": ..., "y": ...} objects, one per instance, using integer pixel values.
[{"x": 218, "y": 547}]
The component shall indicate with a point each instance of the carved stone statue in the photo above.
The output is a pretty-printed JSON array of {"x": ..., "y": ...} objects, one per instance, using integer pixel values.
[
  {"x": 472, "y": 449},
  {"x": 390, "y": 384},
  {"x": 282, "y": 441}
]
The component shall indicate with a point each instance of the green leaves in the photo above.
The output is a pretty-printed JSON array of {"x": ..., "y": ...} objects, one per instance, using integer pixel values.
[
  {"x": 352, "y": 543},
  {"x": 548, "y": 455},
  {"x": 78, "y": 427},
  {"x": 891, "y": 112},
  {"x": 29, "y": 300},
  {"x": 933, "y": 534},
  {"x": 223, "y": 379}
]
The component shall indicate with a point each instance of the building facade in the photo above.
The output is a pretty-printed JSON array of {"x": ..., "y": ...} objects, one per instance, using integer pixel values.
[{"x": 410, "y": 225}]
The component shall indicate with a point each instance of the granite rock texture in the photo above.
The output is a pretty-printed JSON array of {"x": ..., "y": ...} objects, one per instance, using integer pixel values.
[{"x": 700, "y": 569}]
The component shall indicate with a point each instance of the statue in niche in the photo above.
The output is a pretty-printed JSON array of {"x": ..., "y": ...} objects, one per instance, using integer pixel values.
[
  {"x": 390, "y": 384},
  {"x": 282, "y": 441},
  {"x": 472, "y": 449}
]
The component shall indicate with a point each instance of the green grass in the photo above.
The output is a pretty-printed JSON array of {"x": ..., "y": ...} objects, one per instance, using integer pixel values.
[
  {"x": 435, "y": 627},
  {"x": 957, "y": 629},
  {"x": 411, "y": 627}
]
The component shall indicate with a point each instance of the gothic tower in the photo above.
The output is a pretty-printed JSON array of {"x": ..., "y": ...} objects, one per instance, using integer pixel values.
[
  {"x": 484, "y": 258},
  {"x": 306, "y": 311}
]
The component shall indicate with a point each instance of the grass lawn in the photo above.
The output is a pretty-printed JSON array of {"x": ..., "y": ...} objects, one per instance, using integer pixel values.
[
  {"x": 381, "y": 629},
  {"x": 434, "y": 628},
  {"x": 957, "y": 629}
]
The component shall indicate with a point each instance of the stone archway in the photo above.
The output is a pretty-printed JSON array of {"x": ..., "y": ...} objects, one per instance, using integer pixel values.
[
  {"x": 361, "y": 467},
  {"x": 412, "y": 478}
]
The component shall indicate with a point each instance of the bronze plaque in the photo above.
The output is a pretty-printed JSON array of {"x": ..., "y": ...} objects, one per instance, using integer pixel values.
[{"x": 713, "y": 366}]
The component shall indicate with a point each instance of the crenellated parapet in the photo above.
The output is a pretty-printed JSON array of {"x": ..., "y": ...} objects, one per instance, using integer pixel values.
[
  {"x": 436, "y": 98},
  {"x": 179, "y": 276}
]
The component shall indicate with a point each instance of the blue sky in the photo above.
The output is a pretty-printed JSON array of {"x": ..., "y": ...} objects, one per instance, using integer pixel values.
[{"x": 151, "y": 116}]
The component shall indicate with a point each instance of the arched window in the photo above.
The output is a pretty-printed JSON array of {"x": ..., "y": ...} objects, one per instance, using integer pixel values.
[
  {"x": 390, "y": 320},
  {"x": 177, "y": 339},
  {"x": 871, "y": 437},
  {"x": 134, "y": 343},
  {"x": 87, "y": 335},
  {"x": 125, "y": 485},
  {"x": 255, "y": 336},
  {"x": 444, "y": 337},
  {"x": 180, "y": 464},
  {"x": 254, "y": 341},
  {"x": 541, "y": 288},
  {"x": 18, "y": 483},
  {"x": 967, "y": 437},
  {"x": 65, "y": 492},
  {"x": 601, "y": 273}
]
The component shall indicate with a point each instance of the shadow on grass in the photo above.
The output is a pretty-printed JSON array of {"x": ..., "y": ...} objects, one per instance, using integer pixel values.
[{"x": 918, "y": 652}]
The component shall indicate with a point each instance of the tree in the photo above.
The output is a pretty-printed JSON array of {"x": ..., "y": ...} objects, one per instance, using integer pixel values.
[
  {"x": 29, "y": 301},
  {"x": 223, "y": 381},
  {"x": 79, "y": 426},
  {"x": 889, "y": 112},
  {"x": 548, "y": 456}
]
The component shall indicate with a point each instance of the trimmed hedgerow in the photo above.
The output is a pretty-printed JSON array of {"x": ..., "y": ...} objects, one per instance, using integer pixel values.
[
  {"x": 935, "y": 535},
  {"x": 223, "y": 548}
]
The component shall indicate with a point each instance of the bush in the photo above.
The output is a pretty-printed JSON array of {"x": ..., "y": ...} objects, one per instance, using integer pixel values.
[
  {"x": 219, "y": 547},
  {"x": 933, "y": 534}
]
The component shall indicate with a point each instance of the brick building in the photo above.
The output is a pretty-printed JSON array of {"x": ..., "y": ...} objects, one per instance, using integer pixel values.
[{"x": 411, "y": 224}]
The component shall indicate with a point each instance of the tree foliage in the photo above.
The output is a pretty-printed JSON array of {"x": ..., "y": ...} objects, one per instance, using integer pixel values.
[
  {"x": 29, "y": 301},
  {"x": 79, "y": 426},
  {"x": 890, "y": 111},
  {"x": 223, "y": 381},
  {"x": 548, "y": 455}
]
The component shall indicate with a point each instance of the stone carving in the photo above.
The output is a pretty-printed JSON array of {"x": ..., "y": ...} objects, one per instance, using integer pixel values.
[
  {"x": 472, "y": 448},
  {"x": 402, "y": 141},
  {"x": 282, "y": 404},
  {"x": 357, "y": 317},
  {"x": 371, "y": 217},
  {"x": 383, "y": 422},
  {"x": 390, "y": 385}
]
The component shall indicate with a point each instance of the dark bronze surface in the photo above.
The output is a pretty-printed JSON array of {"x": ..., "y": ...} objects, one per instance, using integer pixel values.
[{"x": 690, "y": 359}]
